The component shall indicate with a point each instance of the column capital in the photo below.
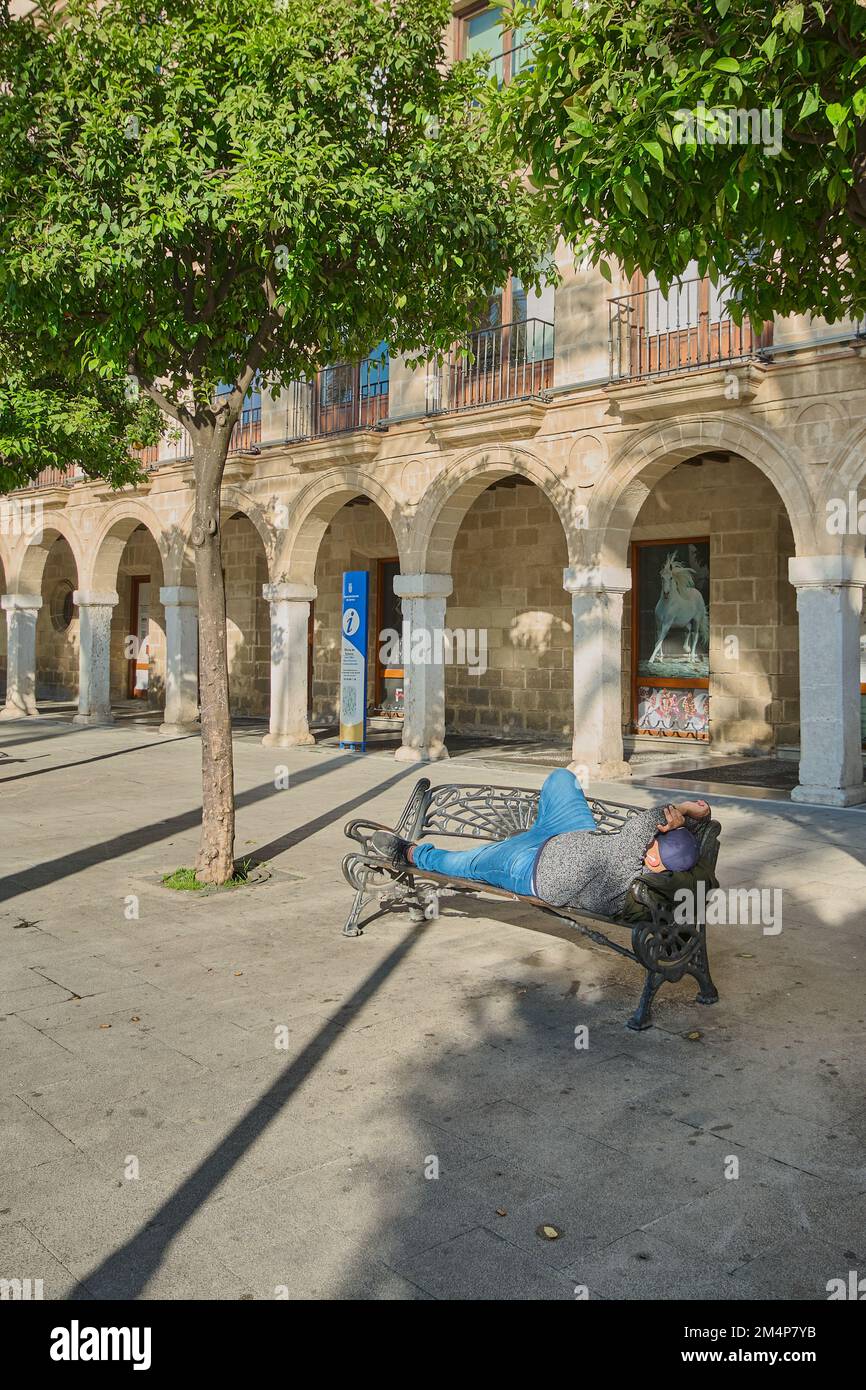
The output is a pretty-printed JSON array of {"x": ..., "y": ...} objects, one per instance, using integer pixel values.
[
  {"x": 596, "y": 579},
  {"x": 10, "y": 601},
  {"x": 179, "y": 596},
  {"x": 423, "y": 585},
  {"x": 94, "y": 598},
  {"x": 827, "y": 571},
  {"x": 294, "y": 593}
]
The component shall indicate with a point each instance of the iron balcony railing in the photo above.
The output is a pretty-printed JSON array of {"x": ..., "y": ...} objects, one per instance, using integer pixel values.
[
  {"x": 56, "y": 477},
  {"x": 656, "y": 334},
  {"x": 247, "y": 433},
  {"x": 176, "y": 446},
  {"x": 508, "y": 363},
  {"x": 339, "y": 399}
]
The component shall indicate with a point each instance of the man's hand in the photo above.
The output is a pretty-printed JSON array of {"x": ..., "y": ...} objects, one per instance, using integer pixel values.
[
  {"x": 673, "y": 819},
  {"x": 699, "y": 809}
]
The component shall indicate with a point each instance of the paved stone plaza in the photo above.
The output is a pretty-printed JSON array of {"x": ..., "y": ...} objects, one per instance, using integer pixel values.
[{"x": 148, "y": 1046}]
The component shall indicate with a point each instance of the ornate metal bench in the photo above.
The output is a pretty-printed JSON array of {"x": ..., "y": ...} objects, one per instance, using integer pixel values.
[{"x": 665, "y": 949}]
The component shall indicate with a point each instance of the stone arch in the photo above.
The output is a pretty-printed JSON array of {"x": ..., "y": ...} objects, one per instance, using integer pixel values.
[
  {"x": 312, "y": 511},
  {"x": 28, "y": 559},
  {"x": 116, "y": 564},
  {"x": 647, "y": 456},
  {"x": 122, "y": 519},
  {"x": 180, "y": 555},
  {"x": 452, "y": 493},
  {"x": 247, "y": 553},
  {"x": 846, "y": 473}
]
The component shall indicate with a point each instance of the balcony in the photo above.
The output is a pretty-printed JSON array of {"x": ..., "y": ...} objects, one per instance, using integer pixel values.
[
  {"x": 657, "y": 335},
  {"x": 513, "y": 362},
  {"x": 339, "y": 400},
  {"x": 176, "y": 446},
  {"x": 56, "y": 477}
]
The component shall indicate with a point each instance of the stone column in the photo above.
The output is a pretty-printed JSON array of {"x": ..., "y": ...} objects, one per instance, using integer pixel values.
[
  {"x": 424, "y": 601},
  {"x": 290, "y": 617},
  {"x": 596, "y": 605},
  {"x": 829, "y": 603},
  {"x": 181, "y": 660},
  {"x": 21, "y": 614},
  {"x": 94, "y": 664}
]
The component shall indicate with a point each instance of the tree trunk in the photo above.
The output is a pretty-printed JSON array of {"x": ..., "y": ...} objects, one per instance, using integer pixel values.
[{"x": 215, "y": 862}]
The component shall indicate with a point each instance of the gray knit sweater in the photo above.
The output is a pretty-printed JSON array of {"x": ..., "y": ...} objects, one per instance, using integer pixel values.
[{"x": 593, "y": 870}]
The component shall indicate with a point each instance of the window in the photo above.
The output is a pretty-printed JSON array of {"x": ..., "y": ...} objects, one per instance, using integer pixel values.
[
  {"x": 507, "y": 49},
  {"x": 373, "y": 372},
  {"x": 252, "y": 400},
  {"x": 352, "y": 395},
  {"x": 515, "y": 304},
  {"x": 248, "y": 428},
  {"x": 61, "y": 607},
  {"x": 688, "y": 299}
]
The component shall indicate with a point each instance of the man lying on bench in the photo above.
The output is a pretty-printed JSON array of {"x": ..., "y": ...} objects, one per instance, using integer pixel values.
[{"x": 558, "y": 862}]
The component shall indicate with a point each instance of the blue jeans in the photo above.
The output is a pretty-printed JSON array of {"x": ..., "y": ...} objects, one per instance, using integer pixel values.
[{"x": 511, "y": 863}]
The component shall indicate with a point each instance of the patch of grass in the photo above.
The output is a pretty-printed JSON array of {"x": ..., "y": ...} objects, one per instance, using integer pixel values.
[{"x": 185, "y": 881}]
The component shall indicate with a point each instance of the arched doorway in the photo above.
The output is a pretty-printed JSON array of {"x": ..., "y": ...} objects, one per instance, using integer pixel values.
[
  {"x": 710, "y": 637},
  {"x": 50, "y": 570},
  {"x": 125, "y": 585},
  {"x": 513, "y": 617},
  {"x": 492, "y": 538},
  {"x": 357, "y": 537},
  {"x": 245, "y": 568}
]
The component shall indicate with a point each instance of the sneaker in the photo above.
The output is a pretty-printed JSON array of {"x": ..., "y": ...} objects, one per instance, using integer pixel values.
[{"x": 391, "y": 847}]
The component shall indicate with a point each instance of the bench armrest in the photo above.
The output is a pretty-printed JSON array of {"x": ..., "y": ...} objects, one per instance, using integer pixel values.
[{"x": 361, "y": 830}]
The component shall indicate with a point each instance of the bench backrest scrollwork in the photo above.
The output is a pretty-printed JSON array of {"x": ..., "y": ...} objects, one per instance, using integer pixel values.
[{"x": 484, "y": 812}]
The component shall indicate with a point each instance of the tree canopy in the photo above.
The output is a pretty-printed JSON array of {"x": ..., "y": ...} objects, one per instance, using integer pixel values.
[
  {"x": 199, "y": 192},
  {"x": 727, "y": 132},
  {"x": 203, "y": 193},
  {"x": 48, "y": 420}
]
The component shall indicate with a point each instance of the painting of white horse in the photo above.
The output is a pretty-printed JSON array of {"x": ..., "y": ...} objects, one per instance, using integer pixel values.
[{"x": 680, "y": 606}]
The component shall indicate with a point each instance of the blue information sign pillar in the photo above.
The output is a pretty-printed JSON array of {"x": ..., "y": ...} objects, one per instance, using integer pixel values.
[{"x": 353, "y": 660}]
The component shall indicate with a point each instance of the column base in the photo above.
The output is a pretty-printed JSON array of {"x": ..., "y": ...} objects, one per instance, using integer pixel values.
[
  {"x": 176, "y": 730},
  {"x": 615, "y": 770},
  {"x": 13, "y": 712},
  {"x": 92, "y": 720},
  {"x": 433, "y": 754},
  {"x": 300, "y": 740},
  {"x": 830, "y": 796}
]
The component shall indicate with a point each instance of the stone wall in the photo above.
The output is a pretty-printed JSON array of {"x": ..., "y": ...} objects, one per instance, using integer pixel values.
[
  {"x": 509, "y": 555},
  {"x": 248, "y": 618},
  {"x": 754, "y": 702}
]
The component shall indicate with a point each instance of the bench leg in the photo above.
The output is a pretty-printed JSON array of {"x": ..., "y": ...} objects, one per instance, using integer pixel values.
[
  {"x": 352, "y": 927},
  {"x": 700, "y": 971},
  {"x": 641, "y": 1018},
  {"x": 418, "y": 902}
]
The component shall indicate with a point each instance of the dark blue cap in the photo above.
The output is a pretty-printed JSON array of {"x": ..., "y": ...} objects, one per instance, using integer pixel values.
[{"x": 679, "y": 850}]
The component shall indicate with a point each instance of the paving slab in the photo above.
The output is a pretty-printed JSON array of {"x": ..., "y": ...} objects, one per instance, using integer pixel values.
[{"x": 287, "y": 1093}]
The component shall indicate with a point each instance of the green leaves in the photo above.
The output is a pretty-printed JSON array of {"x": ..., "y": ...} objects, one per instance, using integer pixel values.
[
  {"x": 704, "y": 129},
  {"x": 48, "y": 419},
  {"x": 173, "y": 158},
  {"x": 654, "y": 148}
]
